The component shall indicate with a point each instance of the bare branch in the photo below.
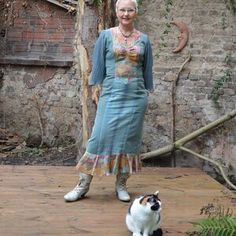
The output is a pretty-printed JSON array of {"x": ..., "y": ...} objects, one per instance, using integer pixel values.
[
  {"x": 189, "y": 137},
  {"x": 212, "y": 161}
]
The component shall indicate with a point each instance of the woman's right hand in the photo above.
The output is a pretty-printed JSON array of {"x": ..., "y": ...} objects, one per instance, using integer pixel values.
[{"x": 95, "y": 94}]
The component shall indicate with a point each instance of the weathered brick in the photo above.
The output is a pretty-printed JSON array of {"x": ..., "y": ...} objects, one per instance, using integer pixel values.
[
  {"x": 14, "y": 34},
  {"x": 54, "y": 22},
  {"x": 52, "y": 48},
  {"x": 66, "y": 49},
  {"x": 230, "y": 92},
  {"x": 57, "y": 37},
  {"x": 27, "y": 35},
  {"x": 38, "y": 21},
  {"x": 21, "y": 22},
  {"x": 43, "y": 26},
  {"x": 38, "y": 47},
  {"x": 23, "y": 47},
  {"x": 37, "y": 35}
]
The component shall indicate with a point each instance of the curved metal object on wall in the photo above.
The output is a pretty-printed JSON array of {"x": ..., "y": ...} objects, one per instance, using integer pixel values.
[{"x": 184, "y": 34}]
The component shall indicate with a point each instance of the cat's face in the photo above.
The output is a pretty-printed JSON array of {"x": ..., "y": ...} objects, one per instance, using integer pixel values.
[{"x": 151, "y": 201}]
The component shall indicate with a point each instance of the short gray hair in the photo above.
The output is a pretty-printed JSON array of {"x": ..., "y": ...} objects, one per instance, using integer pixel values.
[{"x": 134, "y": 1}]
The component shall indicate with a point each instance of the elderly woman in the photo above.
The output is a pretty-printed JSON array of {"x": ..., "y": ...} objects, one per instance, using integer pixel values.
[{"x": 122, "y": 66}]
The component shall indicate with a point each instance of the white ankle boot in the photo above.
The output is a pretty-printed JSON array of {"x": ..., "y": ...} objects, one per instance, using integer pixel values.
[
  {"x": 80, "y": 189},
  {"x": 121, "y": 189}
]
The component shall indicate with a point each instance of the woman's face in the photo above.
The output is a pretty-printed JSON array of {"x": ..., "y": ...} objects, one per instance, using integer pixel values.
[{"x": 126, "y": 12}]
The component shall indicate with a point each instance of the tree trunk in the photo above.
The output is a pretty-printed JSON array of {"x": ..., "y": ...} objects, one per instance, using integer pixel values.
[
  {"x": 87, "y": 32},
  {"x": 90, "y": 20}
]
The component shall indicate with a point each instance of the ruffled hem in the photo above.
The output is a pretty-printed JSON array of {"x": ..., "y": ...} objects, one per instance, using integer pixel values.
[{"x": 109, "y": 164}]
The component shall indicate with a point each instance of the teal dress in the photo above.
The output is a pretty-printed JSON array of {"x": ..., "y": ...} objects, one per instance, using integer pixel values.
[{"x": 124, "y": 72}]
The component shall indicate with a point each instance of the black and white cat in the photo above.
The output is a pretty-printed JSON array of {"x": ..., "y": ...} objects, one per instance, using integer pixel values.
[{"x": 143, "y": 217}]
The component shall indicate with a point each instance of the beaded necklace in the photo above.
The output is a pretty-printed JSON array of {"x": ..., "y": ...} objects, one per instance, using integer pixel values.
[{"x": 126, "y": 36}]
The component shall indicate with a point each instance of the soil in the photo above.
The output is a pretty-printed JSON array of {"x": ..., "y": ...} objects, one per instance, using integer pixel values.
[
  {"x": 15, "y": 152},
  {"x": 29, "y": 152},
  {"x": 34, "y": 156}
]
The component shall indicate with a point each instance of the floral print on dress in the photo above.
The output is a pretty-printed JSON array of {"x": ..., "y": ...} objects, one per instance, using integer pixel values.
[
  {"x": 108, "y": 164},
  {"x": 127, "y": 56}
]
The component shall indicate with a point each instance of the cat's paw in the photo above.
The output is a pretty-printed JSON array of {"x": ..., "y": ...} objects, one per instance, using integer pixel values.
[
  {"x": 137, "y": 234},
  {"x": 157, "y": 232}
]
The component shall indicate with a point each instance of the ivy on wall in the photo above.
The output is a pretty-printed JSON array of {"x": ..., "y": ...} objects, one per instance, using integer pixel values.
[
  {"x": 227, "y": 75},
  {"x": 167, "y": 25},
  {"x": 230, "y": 6}
]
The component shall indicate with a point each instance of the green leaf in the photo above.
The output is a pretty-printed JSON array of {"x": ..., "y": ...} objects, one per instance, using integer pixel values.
[
  {"x": 97, "y": 2},
  {"x": 217, "y": 226}
]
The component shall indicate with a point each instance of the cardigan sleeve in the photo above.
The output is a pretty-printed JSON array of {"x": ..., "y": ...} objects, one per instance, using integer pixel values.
[
  {"x": 98, "y": 61},
  {"x": 147, "y": 69}
]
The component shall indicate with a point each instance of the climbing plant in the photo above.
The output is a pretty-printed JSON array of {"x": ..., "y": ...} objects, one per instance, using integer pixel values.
[
  {"x": 168, "y": 4},
  {"x": 97, "y": 2},
  {"x": 227, "y": 75},
  {"x": 230, "y": 6},
  {"x": 219, "y": 83}
]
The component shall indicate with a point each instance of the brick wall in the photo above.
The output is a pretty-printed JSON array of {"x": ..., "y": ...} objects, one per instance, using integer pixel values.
[
  {"x": 38, "y": 82},
  {"x": 41, "y": 101},
  {"x": 58, "y": 90},
  {"x": 38, "y": 33},
  {"x": 210, "y": 43}
]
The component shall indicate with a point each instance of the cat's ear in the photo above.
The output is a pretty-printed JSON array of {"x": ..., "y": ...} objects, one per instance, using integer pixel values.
[
  {"x": 156, "y": 193},
  {"x": 142, "y": 199}
]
